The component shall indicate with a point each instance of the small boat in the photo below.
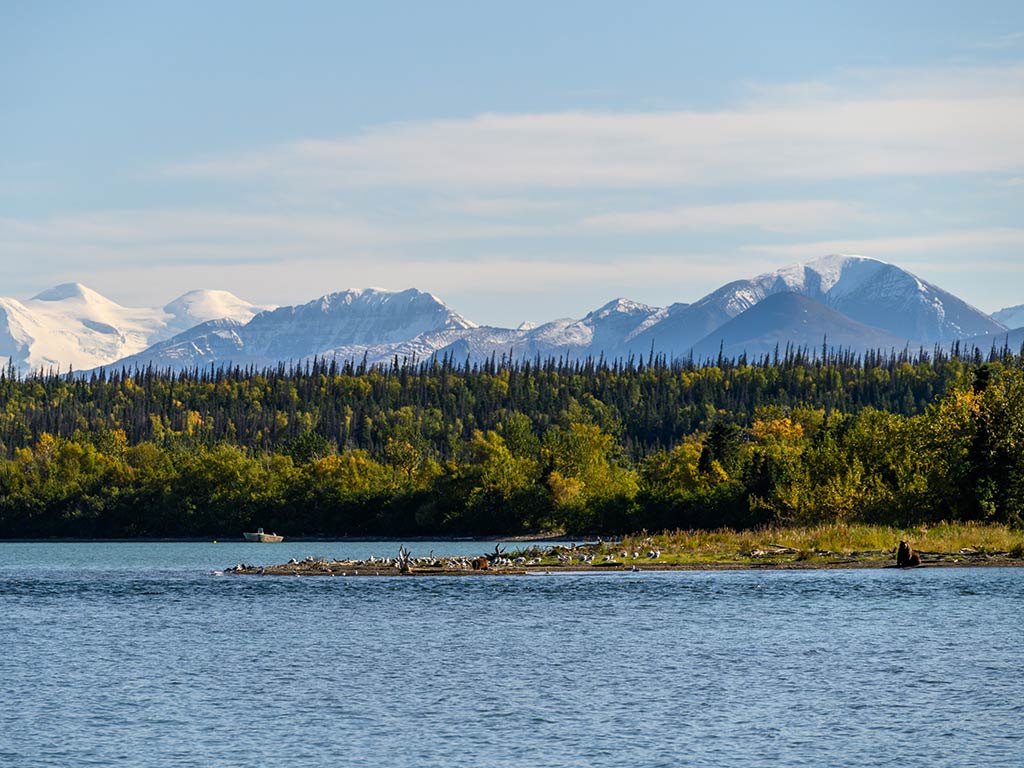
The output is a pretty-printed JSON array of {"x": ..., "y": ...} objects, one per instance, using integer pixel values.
[{"x": 263, "y": 538}]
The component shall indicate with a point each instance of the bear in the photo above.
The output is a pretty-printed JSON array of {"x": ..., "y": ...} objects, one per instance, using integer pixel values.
[{"x": 907, "y": 557}]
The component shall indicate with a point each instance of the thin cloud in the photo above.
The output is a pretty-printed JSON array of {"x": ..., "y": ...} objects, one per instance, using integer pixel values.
[
  {"x": 228, "y": 236},
  {"x": 963, "y": 121},
  {"x": 962, "y": 240},
  {"x": 502, "y": 207},
  {"x": 784, "y": 216},
  {"x": 1002, "y": 43}
]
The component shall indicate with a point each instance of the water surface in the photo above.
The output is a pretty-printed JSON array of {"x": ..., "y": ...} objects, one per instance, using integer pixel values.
[{"x": 135, "y": 655}]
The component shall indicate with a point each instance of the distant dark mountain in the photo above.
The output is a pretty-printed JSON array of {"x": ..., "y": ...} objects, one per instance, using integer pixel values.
[
  {"x": 796, "y": 320},
  {"x": 1011, "y": 317},
  {"x": 1009, "y": 339},
  {"x": 680, "y": 327}
]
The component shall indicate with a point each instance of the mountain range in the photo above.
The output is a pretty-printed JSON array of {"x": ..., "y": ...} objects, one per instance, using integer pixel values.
[{"x": 852, "y": 302}]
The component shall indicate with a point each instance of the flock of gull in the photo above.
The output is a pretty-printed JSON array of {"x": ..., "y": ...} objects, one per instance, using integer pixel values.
[{"x": 498, "y": 560}]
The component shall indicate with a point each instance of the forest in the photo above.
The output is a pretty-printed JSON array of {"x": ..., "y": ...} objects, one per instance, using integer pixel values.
[{"x": 500, "y": 448}]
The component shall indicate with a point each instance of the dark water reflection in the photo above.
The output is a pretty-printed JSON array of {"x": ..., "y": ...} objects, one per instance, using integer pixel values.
[{"x": 171, "y": 666}]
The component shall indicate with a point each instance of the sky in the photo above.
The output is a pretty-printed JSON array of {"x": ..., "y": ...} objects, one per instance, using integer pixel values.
[{"x": 522, "y": 161}]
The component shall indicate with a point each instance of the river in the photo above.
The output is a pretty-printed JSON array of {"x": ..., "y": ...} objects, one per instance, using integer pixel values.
[{"x": 137, "y": 655}]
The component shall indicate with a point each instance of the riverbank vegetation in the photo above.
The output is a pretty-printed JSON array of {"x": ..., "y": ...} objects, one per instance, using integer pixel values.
[
  {"x": 446, "y": 449},
  {"x": 827, "y": 543}
]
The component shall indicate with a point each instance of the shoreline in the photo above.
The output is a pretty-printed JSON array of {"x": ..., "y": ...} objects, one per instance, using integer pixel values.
[{"x": 461, "y": 567}]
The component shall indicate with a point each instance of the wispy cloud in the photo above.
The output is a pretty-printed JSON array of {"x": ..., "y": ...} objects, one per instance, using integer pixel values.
[
  {"x": 503, "y": 207},
  {"x": 229, "y": 236},
  {"x": 1002, "y": 43},
  {"x": 182, "y": 225},
  {"x": 966, "y": 241},
  {"x": 785, "y": 216},
  {"x": 958, "y": 121}
]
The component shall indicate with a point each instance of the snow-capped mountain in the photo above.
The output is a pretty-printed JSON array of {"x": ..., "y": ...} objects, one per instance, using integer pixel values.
[
  {"x": 353, "y": 317},
  {"x": 346, "y": 325},
  {"x": 888, "y": 297},
  {"x": 381, "y": 325},
  {"x": 1011, "y": 317},
  {"x": 73, "y": 325},
  {"x": 195, "y": 307},
  {"x": 212, "y": 341},
  {"x": 869, "y": 291},
  {"x": 601, "y": 330}
]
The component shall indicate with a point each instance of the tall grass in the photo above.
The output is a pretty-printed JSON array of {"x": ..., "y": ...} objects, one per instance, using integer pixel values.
[{"x": 832, "y": 537}]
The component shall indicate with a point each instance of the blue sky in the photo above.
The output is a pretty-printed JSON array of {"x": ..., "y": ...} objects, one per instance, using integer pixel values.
[{"x": 521, "y": 160}]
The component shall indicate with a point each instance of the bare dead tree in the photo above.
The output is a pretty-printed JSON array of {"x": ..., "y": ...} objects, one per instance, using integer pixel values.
[{"x": 404, "y": 560}]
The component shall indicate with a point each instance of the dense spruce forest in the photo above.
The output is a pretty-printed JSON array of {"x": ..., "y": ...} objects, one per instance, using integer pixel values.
[{"x": 446, "y": 448}]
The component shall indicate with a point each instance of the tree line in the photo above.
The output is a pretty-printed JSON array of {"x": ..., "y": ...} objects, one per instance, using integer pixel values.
[{"x": 503, "y": 448}]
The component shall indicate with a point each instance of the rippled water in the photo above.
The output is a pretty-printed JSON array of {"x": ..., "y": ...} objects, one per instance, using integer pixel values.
[{"x": 133, "y": 654}]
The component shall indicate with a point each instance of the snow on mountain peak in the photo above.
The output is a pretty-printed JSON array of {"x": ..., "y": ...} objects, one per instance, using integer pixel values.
[
  {"x": 73, "y": 292},
  {"x": 619, "y": 306},
  {"x": 878, "y": 293},
  {"x": 73, "y": 325},
  {"x": 825, "y": 273},
  {"x": 408, "y": 304},
  {"x": 198, "y": 306},
  {"x": 352, "y": 295}
]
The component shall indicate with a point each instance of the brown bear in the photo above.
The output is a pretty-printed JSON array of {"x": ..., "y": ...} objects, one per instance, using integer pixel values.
[{"x": 906, "y": 557}]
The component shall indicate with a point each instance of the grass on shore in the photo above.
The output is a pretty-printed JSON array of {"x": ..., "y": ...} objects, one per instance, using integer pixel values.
[{"x": 820, "y": 542}]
